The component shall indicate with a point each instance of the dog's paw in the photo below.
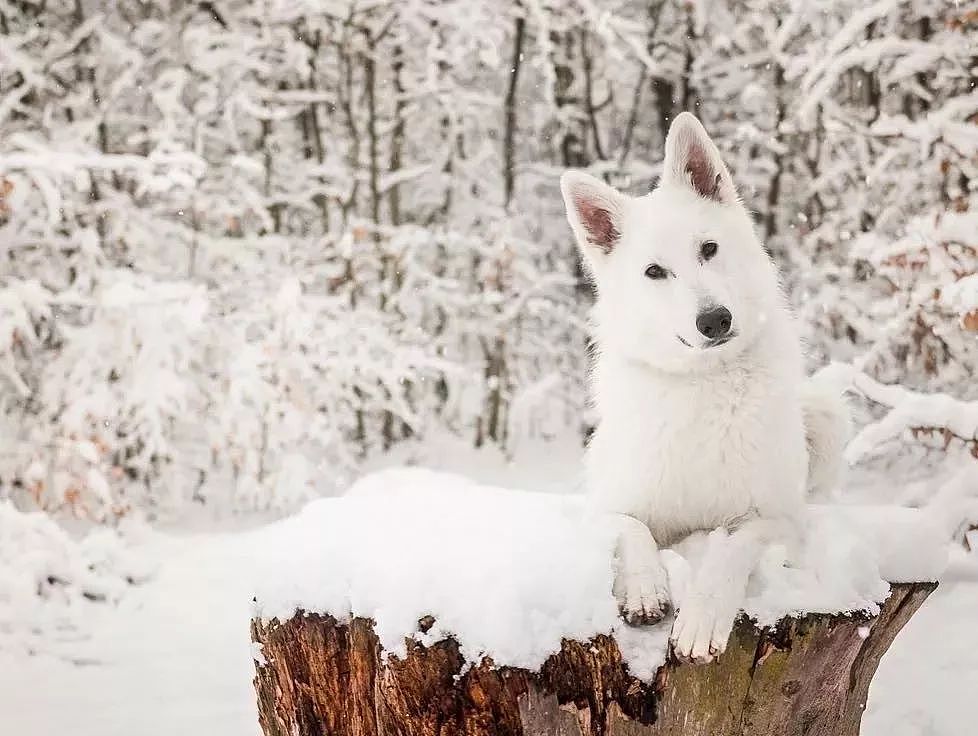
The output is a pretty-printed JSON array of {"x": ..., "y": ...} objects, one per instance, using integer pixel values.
[
  {"x": 641, "y": 585},
  {"x": 701, "y": 630},
  {"x": 643, "y": 595}
]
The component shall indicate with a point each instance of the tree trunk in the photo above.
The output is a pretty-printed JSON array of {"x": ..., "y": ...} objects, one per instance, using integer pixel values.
[{"x": 806, "y": 676}]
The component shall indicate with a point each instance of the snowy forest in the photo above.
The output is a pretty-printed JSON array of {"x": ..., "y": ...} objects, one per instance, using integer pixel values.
[
  {"x": 248, "y": 247},
  {"x": 247, "y": 244}
]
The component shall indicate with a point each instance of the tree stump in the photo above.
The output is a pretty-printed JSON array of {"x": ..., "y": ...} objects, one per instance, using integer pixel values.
[{"x": 807, "y": 675}]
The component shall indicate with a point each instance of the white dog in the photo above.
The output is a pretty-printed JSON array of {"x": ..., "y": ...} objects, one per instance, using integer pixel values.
[{"x": 706, "y": 419}]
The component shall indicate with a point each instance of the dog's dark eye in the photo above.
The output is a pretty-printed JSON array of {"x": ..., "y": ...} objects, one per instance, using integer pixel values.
[
  {"x": 655, "y": 271},
  {"x": 708, "y": 250}
]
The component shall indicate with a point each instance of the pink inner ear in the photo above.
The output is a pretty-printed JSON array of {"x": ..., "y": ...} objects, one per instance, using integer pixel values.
[
  {"x": 598, "y": 222},
  {"x": 704, "y": 179}
]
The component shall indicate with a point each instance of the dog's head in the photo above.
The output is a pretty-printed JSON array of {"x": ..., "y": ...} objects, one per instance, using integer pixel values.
[{"x": 682, "y": 279}]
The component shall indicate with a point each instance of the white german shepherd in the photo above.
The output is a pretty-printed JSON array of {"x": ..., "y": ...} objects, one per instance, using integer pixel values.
[{"x": 706, "y": 419}]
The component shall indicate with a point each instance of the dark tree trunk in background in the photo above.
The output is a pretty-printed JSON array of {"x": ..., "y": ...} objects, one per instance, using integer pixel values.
[
  {"x": 509, "y": 136},
  {"x": 690, "y": 98},
  {"x": 569, "y": 113},
  {"x": 774, "y": 188},
  {"x": 494, "y": 351},
  {"x": 809, "y": 676},
  {"x": 590, "y": 105}
]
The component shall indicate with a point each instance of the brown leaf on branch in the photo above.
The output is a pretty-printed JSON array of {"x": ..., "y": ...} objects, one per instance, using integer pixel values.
[
  {"x": 970, "y": 321},
  {"x": 963, "y": 21}
]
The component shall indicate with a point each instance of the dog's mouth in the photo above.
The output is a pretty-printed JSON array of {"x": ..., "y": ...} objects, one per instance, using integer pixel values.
[
  {"x": 720, "y": 341},
  {"x": 710, "y": 343}
]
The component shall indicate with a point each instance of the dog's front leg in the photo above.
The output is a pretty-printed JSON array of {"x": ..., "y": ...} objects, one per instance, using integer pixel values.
[
  {"x": 717, "y": 590},
  {"x": 641, "y": 586}
]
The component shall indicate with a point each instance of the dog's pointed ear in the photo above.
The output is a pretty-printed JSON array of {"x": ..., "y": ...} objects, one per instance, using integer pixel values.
[
  {"x": 693, "y": 160},
  {"x": 594, "y": 210}
]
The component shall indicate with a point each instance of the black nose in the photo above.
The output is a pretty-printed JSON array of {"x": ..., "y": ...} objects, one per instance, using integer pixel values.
[{"x": 714, "y": 322}]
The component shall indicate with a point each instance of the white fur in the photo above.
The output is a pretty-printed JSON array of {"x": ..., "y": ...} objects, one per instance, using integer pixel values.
[
  {"x": 693, "y": 437},
  {"x": 828, "y": 425},
  {"x": 709, "y": 606}
]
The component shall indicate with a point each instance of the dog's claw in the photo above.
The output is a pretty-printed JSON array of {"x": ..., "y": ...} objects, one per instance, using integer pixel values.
[
  {"x": 700, "y": 632},
  {"x": 643, "y": 596},
  {"x": 645, "y": 616}
]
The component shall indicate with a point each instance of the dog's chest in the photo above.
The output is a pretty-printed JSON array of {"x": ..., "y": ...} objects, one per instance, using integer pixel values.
[{"x": 687, "y": 455}]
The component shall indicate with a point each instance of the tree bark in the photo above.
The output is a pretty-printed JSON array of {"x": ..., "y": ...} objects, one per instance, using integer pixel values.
[{"x": 809, "y": 676}]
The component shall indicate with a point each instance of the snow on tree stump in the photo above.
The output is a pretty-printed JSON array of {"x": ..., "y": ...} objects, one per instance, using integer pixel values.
[{"x": 808, "y": 675}]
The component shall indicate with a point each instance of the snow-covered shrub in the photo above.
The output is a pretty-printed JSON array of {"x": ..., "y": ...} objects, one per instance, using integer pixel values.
[
  {"x": 885, "y": 115},
  {"x": 922, "y": 327},
  {"x": 117, "y": 390},
  {"x": 50, "y": 581}
]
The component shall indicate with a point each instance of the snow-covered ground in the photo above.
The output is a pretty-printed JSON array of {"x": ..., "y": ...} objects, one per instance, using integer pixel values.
[{"x": 173, "y": 657}]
